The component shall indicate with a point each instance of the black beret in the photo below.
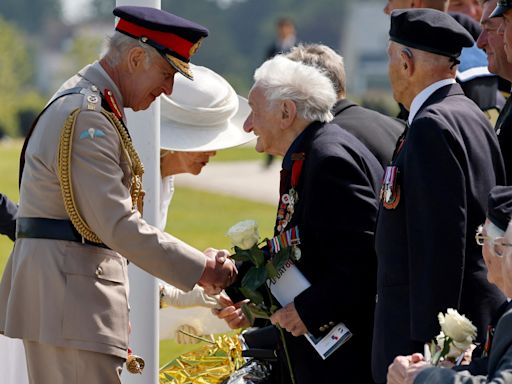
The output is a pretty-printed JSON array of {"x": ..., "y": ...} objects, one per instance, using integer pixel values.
[
  {"x": 429, "y": 30},
  {"x": 502, "y": 7},
  {"x": 174, "y": 37},
  {"x": 499, "y": 206}
]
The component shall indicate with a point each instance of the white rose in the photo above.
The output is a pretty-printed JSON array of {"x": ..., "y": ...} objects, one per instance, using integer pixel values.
[
  {"x": 244, "y": 234},
  {"x": 458, "y": 328}
]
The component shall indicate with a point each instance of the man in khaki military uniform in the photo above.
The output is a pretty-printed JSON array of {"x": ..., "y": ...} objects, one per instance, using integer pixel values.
[{"x": 65, "y": 287}]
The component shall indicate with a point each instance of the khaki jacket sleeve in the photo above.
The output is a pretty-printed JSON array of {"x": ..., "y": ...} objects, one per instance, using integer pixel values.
[{"x": 99, "y": 178}]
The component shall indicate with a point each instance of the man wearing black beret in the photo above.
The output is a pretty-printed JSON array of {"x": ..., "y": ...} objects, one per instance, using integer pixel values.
[
  {"x": 433, "y": 194},
  {"x": 65, "y": 287}
]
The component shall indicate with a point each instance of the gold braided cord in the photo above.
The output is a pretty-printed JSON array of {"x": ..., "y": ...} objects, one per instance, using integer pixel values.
[
  {"x": 64, "y": 171},
  {"x": 136, "y": 165}
]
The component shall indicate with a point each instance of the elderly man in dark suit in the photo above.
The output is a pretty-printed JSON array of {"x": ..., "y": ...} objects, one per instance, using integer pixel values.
[
  {"x": 8, "y": 211},
  {"x": 433, "y": 195},
  {"x": 334, "y": 179},
  {"x": 496, "y": 367}
]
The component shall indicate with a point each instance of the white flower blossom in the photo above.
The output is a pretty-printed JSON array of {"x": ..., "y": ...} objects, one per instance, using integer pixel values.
[
  {"x": 244, "y": 234},
  {"x": 458, "y": 328}
]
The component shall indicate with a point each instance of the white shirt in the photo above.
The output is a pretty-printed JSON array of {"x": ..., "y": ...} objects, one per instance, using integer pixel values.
[
  {"x": 166, "y": 193},
  {"x": 421, "y": 97}
]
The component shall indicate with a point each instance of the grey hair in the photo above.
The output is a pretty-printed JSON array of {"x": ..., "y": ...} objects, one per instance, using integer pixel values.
[
  {"x": 324, "y": 58},
  {"x": 118, "y": 44},
  {"x": 308, "y": 87}
]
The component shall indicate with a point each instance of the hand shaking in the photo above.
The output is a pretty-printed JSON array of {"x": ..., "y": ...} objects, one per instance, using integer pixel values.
[{"x": 220, "y": 271}]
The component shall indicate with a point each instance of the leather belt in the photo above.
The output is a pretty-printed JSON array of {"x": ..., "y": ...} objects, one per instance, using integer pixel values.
[{"x": 55, "y": 229}]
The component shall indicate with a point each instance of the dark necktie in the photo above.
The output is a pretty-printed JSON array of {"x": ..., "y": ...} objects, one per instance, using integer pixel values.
[{"x": 507, "y": 109}]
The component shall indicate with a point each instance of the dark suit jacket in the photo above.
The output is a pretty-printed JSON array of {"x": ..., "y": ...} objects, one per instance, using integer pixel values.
[
  {"x": 500, "y": 362},
  {"x": 8, "y": 211},
  {"x": 428, "y": 258},
  {"x": 336, "y": 214},
  {"x": 504, "y": 131},
  {"x": 377, "y": 131}
]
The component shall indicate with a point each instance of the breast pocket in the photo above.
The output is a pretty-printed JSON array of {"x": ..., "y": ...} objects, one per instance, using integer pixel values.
[{"x": 96, "y": 301}]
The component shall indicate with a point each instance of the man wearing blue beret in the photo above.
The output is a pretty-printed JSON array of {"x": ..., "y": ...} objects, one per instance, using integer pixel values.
[
  {"x": 65, "y": 286},
  {"x": 433, "y": 194}
]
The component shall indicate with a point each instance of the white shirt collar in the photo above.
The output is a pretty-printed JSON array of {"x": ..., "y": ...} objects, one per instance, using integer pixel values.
[{"x": 421, "y": 97}]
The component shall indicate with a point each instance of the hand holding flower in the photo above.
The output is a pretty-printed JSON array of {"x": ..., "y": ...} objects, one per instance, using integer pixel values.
[{"x": 404, "y": 369}]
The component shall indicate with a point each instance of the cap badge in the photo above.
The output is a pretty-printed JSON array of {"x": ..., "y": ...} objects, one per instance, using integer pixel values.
[{"x": 195, "y": 47}]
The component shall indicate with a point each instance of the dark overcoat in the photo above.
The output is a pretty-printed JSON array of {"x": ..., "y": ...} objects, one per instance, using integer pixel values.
[{"x": 427, "y": 255}]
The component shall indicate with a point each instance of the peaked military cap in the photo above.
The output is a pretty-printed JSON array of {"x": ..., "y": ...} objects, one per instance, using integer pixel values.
[
  {"x": 174, "y": 37},
  {"x": 499, "y": 206},
  {"x": 502, "y": 7},
  {"x": 429, "y": 30}
]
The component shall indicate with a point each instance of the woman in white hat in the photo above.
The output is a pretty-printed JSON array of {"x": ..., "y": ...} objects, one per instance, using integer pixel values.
[{"x": 198, "y": 119}]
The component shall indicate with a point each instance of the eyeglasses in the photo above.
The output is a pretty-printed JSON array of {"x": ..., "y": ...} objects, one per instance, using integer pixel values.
[{"x": 497, "y": 244}]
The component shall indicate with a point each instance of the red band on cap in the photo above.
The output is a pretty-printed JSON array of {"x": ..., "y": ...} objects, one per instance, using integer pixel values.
[{"x": 169, "y": 40}]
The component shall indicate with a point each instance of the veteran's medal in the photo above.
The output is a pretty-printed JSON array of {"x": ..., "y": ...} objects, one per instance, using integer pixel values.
[{"x": 390, "y": 189}]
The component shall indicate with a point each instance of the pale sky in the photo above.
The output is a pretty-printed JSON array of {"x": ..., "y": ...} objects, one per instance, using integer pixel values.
[{"x": 74, "y": 10}]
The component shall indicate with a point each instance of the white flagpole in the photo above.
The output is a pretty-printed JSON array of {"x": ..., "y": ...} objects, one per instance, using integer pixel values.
[{"x": 145, "y": 131}]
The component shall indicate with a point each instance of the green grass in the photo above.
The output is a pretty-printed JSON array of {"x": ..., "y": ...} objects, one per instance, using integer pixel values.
[
  {"x": 244, "y": 152},
  {"x": 199, "y": 218}
]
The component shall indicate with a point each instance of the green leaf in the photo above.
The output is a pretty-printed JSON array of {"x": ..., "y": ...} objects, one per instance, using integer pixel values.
[
  {"x": 254, "y": 296},
  {"x": 257, "y": 256},
  {"x": 271, "y": 270},
  {"x": 281, "y": 257},
  {"x": 241, "y": 255},
  {"x": 446, "y": 346},
  {"x": 255, "y": 278}
]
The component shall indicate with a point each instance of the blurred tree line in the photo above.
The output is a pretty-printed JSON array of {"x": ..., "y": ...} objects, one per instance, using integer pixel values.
[
  {"x": 240, "y": 32},
  {"x": 19, "y": 19}
]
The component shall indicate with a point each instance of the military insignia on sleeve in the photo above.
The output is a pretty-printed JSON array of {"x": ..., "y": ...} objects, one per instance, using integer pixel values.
[
  {"x": 390, "y": 189},
  {"x": 92, "y": 133}
]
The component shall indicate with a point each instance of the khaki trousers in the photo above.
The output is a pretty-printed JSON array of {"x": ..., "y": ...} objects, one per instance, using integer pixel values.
[{"x": 48, "y": 364}]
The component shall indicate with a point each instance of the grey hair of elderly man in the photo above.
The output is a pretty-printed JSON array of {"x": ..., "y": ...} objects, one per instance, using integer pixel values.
[
  {"x": 118, "y": 44},
  {"x": 307, "y": 87}
]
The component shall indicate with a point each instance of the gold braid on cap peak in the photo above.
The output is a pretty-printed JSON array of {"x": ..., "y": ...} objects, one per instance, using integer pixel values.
[{"x": 64, "y": 171}]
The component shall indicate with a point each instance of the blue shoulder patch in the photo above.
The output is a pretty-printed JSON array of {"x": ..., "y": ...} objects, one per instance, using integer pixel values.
[{"x": 92, "y": 133}]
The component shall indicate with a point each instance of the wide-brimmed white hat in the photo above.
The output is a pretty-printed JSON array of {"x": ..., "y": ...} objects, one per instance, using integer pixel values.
[{"x": 203, "y": 115}]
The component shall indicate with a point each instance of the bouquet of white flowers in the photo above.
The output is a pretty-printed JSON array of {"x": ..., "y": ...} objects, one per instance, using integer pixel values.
[{"x": 457, "y": 335}]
